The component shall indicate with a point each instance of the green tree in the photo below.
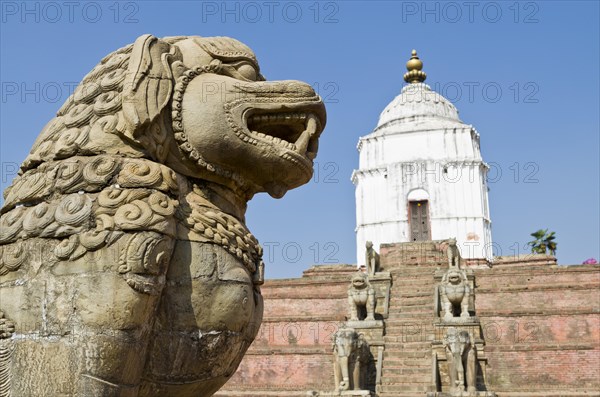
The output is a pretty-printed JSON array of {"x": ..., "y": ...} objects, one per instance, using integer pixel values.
[{"x": 543, "y": 242}]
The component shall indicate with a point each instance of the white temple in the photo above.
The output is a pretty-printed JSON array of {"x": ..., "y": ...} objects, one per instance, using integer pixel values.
[{"x": 421, "y": 175}]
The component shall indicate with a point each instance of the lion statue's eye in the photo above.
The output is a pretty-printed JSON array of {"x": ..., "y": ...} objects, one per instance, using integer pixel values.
[{"x": 247, "y": 71}]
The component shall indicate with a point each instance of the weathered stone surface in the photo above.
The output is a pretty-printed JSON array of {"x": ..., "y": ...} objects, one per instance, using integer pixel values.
[{"x": 126, "y": 267}]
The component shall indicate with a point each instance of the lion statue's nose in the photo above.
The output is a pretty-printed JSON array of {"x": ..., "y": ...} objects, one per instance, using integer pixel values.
[
  {"x": 290, "y": 88},
  {"x": 297, "y": 88}
]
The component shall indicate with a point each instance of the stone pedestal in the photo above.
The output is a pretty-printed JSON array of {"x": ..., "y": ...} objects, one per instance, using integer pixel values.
[
  {"x": 381, "y": 283},
  {"x": 371, "y": 329}
]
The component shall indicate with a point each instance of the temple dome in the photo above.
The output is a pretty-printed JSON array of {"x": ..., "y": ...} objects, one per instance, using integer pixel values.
[{"x": 417, "y": 102}]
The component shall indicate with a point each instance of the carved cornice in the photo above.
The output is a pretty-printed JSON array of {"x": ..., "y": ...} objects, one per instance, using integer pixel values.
[{"x": 359, "y": 174}]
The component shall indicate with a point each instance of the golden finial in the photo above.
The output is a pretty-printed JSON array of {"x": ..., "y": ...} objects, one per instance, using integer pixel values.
[{"x": 414, "y": 66}]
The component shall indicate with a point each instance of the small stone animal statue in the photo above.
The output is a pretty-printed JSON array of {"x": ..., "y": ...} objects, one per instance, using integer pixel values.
[
  {"x": 351, "y": 357},
  {"x": 454, "y": 258},
  {"x": 461, "y": 358},
  {"x": 361, "y": 296},
  {"x": 454, "y": 294},
  {"x": 126, "y": 267},
  {"x": 371, "y": 259}
]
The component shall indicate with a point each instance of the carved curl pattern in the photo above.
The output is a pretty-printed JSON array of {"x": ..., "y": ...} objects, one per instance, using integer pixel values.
[
  {"x": 89, "y": 174},
  {"x": 12, "y": 256},
  {"x": 136, "y": 209}
]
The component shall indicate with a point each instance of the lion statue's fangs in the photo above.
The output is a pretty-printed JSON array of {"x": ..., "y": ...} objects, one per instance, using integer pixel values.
[{"x": 126, "y": 267}]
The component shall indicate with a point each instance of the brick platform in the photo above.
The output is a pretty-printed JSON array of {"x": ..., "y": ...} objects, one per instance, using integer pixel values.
[{"x": 540, "y": 321}]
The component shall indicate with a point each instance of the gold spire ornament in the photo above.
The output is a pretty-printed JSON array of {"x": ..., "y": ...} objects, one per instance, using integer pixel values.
[{"x": 414, "y": 66}]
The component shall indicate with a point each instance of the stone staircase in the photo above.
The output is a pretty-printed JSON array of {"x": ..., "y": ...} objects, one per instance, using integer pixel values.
[{"x": 406, "y": 370}]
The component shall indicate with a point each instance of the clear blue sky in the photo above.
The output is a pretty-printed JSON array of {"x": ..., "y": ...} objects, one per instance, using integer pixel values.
[{"x": 543, "y": 56}]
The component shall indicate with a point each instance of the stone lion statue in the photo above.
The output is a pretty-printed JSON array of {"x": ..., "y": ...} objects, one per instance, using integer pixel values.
[
  {"x": 455, "y": 293},
  {"x": 126, "y": 266},
  {"x": 361, "y": 297}
]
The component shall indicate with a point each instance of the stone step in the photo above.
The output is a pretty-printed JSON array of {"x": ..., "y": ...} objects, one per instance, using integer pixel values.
[
  {"x": 411, "y": 344},
  {"x": 395, "y": 321},
  {"x": 409, "y": 283},
  {"x": 397, "y": 311},
  {"x": 415, "y": 365},
  {"x": 406, "y": 380},
  {"x": 423, "y": 297},
  {"x": 415, "y": 262},
  {"x": 413, "y": 259},
  {"x": 414, "y": 294},
  {"x": 429, "y": 251},
  {"x": 408, "y": 338},
  {"x": 414, "y": 273},
  {"x": 423, "y": 307},
  {"x": 426, "y": 301},
  {"x": 406, "y": 278},
  {"x": 407, "y": 329},
  {"x": 400, "y": 312},
  {"x": 408, "y": 343},
  {"x": 413, "y": 287},
  {"x": 410, "y": 335},
  {"x": 404, "y": 343},
  {"x": 394, "y": 363},
  {"x": 418, "y": 316},
  {"x": 414, "y": 308},
  {"x": 404, "y": 387},
  {"x": 401, "y": 394},
  {"x": 407, "y": 356},
  {"x": 404, "y": 393}
]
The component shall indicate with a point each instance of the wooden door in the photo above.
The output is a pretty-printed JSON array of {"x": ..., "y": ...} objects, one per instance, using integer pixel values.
[{"x": 419, "y": 220}]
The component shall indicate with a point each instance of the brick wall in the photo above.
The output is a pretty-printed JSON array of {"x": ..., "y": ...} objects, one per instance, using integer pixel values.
[{"x": 542, "y": 327}]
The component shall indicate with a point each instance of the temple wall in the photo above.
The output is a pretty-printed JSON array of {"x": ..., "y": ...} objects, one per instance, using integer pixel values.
[{"x": 541, "y": 326}]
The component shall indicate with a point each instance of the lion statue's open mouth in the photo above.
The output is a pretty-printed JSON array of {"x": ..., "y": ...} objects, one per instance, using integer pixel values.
[{"x": 297, "y": 132}]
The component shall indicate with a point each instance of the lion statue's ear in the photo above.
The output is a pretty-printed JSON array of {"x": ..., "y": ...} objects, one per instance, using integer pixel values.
[{"x": 149, "y": 81}]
